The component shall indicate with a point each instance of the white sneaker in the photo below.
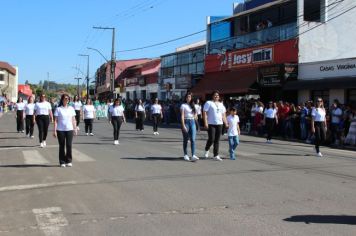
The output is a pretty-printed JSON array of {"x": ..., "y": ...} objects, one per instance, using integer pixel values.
[
  {"x": 319, "y": 154},
  {"x": 32, "y": 136},
  {"x": 78, "y": 128},
  {"x": 87, "y": 134},
  {"x": 91, "y": 134},
  {"x": 116, "y": 142},
  {"x": 195, "y": 158},
  {"x": 217, "y": 158},
  {"x": 186, "y": 158},
  {"x": 63, "y": 165},
  {"x": 206, "y": 155},
  {"x": 44, "y": 144},
  {"x": 154, "y": 133},
  {"x": 27, "y": 135},
  {"x": 157, "y": 133},
  {"x": 41, "y": 145},
  {"x": 69, "y": 164}
]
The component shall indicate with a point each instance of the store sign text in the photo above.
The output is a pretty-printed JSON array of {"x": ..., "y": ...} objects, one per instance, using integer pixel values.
[
  {"x": 257, "y": 56},
  {"x": 338, "y": 67}
]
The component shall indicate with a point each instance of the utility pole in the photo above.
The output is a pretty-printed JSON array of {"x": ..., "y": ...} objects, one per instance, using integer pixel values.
[
  {"x": 86, "y": 55},
  {"x": 113, "y": 60},
  {"x": 78, "y": 92}
]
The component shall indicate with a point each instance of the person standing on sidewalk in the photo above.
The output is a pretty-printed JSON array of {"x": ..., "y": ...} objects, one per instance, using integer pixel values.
[
  {"x": 233, "y": 132},
  {"x": 156, "y": 113},
  {"x": 270, "y": 119},
  {"x": 64, "y": 129},
  {"x": 43, "y": 114},
  {"x": 188, "y": 121},
  {"x": 336, "y": 119},
  {"x": 77, "y": 104},
  {"x": 20, "y": 109},
  {"x": 214, "y": 114},
  {"x": 29, "y": 111},
  {"x": 318, "y": 125},
  {"x": 88, "y": 117},
  {"x": 199, "y": 114},
  {"x": 116, "y": 117},
  {"x": 140, "y": 115}
]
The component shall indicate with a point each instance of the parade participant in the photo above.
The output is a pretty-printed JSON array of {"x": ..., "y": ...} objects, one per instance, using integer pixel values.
[
  {"x": 233, "y": 132},
  {"x": 20, "y": 108},
  {"x": 64, "y": 129},
  {"x": 336, "y": 119},
  {"x": 188, "y": 121},
  {"x": 318, "y": 125},
  {"x": 199, "y": 114},
  {"x": 77, "y": 105},
  {"x": 140, "y": 115},
  {"x": 116, "y": 116},
  {"x": 270, "y": 119},
  {"x": 29, "y": 110},
  {"x": 43, "y": 114},
  {"x": 214, "y": 118},
  {"x": 88, "y": 116},
  {"x": 156, "y": 115}
]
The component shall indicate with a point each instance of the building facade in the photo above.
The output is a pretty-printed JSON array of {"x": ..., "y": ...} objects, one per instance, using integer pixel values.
[{"x": 8, "y": 81}]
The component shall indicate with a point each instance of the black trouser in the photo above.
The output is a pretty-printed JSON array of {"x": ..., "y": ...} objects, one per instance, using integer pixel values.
[
  {"x": 140, "y": 119},
  {"x": 199, "y": 122},
  {"x": 155, "y": 121},
  {"x": 42, "y": 123},
  {"x": 116, "y": 122},
  {"x": 19, "y": 120},
  {"x": 88, "y": 125},
  {"x": 77, "y": 116},
  {"x": 65, "y": 139},
  {"x": 214, "y": 133},
  {"x": 320, "y": 134},
  {"x": 269, "y": 127},
  {"x": 29, "y": 125}
]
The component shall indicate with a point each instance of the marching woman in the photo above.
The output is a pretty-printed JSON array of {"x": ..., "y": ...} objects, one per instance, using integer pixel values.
[
  {"x": 214, "y": 118},
  {"x": 77, "y": 104},
  {"x": 199, "y": 115},
  {"x": 20, "y": 108},
  {"x": 318, "y": 125},
  {"x": 116, "y": 116},
  {"x": 29, "y": 111},
  {"x": 43, "y": 112},
  {"x": 156, "y": 114},
  {"x": 64, "y": 129},
  {"x": 188, "y": 120},
  {"x": 140, "y": 115},
  {"x": 88, "y": 116},
  {"x": 270, "y": 119}
]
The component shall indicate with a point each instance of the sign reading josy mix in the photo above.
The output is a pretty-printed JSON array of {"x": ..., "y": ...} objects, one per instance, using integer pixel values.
[{"x": 248, "y": 57}]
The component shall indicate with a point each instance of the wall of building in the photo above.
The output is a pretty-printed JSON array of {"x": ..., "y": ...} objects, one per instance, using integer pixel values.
[
  {"x": 303, "y": 96},
  {"x": 338, "y": 94}
]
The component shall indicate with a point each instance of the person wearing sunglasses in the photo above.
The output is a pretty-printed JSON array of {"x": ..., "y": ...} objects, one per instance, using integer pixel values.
[
  {"x": 64, "y": 128},
  {"x": 43, "y": 114},
  {"x": 318, "y": 125}
]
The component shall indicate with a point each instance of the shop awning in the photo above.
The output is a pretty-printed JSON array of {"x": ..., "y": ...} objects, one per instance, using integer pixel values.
[
  {"x": 333, "y": 83},
  {"x": 229, "y": 82}
]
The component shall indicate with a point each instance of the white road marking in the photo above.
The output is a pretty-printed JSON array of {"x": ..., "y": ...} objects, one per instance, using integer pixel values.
[
  {"x": 33, "y": 157},
  {"x": 50, "y": 220},
  {"x": 35, "y": 186},
  {"x": 27, "y": 147},
  {"x": 80, "y": 157}
]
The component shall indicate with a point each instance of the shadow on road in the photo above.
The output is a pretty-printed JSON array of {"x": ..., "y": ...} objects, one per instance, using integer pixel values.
[
  {"x": 284, "y": 154},
  {"x": 153, "y": 158},
  {"x": 17, "y": 146},
  {"x": 323, "y": 219},
  {"x": 26, "y": 166},
  {"x": 13, "y": 137}
]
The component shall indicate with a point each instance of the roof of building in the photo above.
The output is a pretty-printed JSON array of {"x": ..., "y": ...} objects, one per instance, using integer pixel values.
[{"x": 8, "y": 67}]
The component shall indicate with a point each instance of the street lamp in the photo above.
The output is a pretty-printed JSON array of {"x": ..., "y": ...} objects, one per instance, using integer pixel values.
[{"x": 86, "y": 55}]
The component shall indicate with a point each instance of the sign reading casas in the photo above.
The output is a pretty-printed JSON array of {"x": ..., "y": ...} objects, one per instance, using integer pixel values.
[{"x": 247, "y": 58}]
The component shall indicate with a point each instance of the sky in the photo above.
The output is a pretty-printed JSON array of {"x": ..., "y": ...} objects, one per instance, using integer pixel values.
[{"x": 44, "y": 37}]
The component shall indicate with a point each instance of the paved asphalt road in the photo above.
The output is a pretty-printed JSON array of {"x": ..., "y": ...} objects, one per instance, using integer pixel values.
[{"x": 143, "y": 187}]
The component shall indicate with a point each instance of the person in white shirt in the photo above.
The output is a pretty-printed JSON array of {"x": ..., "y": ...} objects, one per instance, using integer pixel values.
[
  {"x": 64, "y": 129},
  {"x": 270, "y": 119},
  {"x": 336, "y": 118},
  {"x": 77, "y": 105},
  {"x": 188, "y": 121},
  {"x": 214, "y": 113},
  {"x": 88, "y": 116},
  {"x": 140, "y": 115},
  {"x": 318, "y": 125},
  {"x": 116, "y": 117},
  {"x": 156, "y": 115},
  {"x": 43, "y": 114},
  {"x": 199, "y": 114},
  {"x": 29, "y": 111},
  {"x": 20, "y": 109},
  {"x": 233, "y": 132}
]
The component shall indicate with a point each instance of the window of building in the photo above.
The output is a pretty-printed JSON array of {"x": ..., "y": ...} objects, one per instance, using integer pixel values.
[
  {"x": 177, "y": 70},
  {"x": 2, "y": 77},
  {"x": 314, "y": 10},
  {"x": 220, "y": 30},
  {"x": 351, "y": 96},
  {"x": 200, "y": 67},
  {"x": 184, "y": 70},
  {"x": 192, "y": 68}
]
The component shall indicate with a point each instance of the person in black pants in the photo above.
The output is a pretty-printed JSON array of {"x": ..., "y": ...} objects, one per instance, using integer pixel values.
[
  {"x": 156, "y": 115},
  {"x": 270, "y": 119},
  {"x": 318, "y": 125},
  {"x": 43, "y": 112},
  {"x": 116, "y": 117},
  {"x": 64, "y": 129},
  {"x": 20, "y": 108},
  {"x": 140, "y": 115},
  {"x": 29, "y": 111}
]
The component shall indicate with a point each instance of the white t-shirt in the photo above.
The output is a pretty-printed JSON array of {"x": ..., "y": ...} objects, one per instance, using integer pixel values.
[
  {"x": 233, "y": 121},
  {"x": 318, "y": 114},
  {"x": 116, "y": 110},
  {"x": 64, "y": 118},
  {"x": 77, "y": 105},
  {"x": 336, "y": 115},
  {"x": 156, "y": 109},
  {"x": 30, "y": 109},
  {"x": 20, "y": 106},
  {"x": 198, "y": 109},
  {"x": 188, "y": 111},
  {"x": 88, "y": 111},
  {"x": 139, "y": 108},
  {"x": 43, "y": 108},
  {"x": 215, "y": 112},
  {"x": 270, "y": 113}
]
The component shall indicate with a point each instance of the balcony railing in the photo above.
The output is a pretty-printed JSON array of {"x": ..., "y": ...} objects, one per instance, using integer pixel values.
[{"x": 265, "y": 36}]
